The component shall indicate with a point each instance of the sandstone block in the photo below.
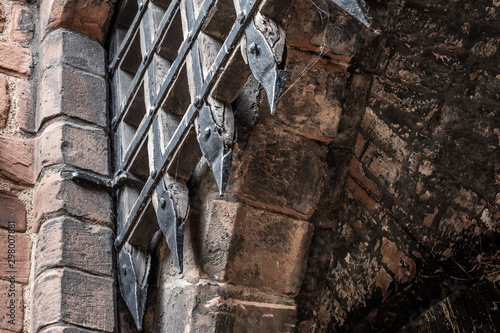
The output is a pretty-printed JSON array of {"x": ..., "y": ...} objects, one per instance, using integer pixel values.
[
  {"x": 73, "y": 297},
  {"x": 15, "y": 60},
  {"x": 25, "y": 114},
  {"x": 68, "y": 47},
  {"x": 12, "y": 210},
  {"x": 22, "y": 26},
  {"x": 65, "y": 329},
  {"x": 311, "y": 106},
  {"x": 283, "y": 172},
  {"x": 11, "y": 293},
  {"x": 16, "y": 163},
  {"x": 4, "y": 102},
  {"x": 56, "y": 196},
  {"x": 81, "y": 147},
  {"x": 20, "y": 246},
  {"x": 68, "y": 242},
  {"x": 251, "y": 247},
  {"x": 66, "y": 91},
  {"x": 90, "y": 17}
]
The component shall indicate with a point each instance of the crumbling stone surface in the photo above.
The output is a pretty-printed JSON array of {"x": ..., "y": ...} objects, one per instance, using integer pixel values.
[
  {"x": 22, "y": 26},
  {"x": 4, "y": 102},
  {"x": 412, "y": 214}
]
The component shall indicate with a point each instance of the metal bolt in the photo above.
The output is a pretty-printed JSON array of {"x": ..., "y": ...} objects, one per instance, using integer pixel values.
[
  {"x": 198, "y": 102},
  {"x": 190, "y": 36},
  {"x": 240, "y": 17},
  {"x": 163, "y": 203},
  {"x": 206, "y": 134},
  {"x": 254, "y": 49},
  {"x": 153, "y": 173},
  {"x": 151, "y": 110}
]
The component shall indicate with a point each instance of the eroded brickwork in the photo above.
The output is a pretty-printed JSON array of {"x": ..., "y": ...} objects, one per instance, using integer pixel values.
[{"x": 17, "y": 46}]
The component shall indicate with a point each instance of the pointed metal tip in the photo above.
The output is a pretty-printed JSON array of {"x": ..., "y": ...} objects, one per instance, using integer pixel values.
[
  {"x": 277, "y": 88},
  {"x": 221, "y": 169},
  {"x": 355, "y": 9}
]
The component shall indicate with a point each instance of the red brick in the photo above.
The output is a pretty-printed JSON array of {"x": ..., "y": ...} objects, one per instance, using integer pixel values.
[
  {"x": 26, "y": 107},
  {"x": 12, "y": 210},
  {"x": 17, "y": 159},
  {"x": 22, "y": 248},
  {"x": 399, "y": 264},
  {"x": 356, "y": 171},
  {"x": 68, "y": 242},
  {"x": 15, "y": 60},
  {"x": 66, "y": 91},
  {"x": 56, "y": 196},
  {"x": 356, "y": 191},
  {"x": 282, "y": 172},
  {"x": 73, "y": 297},
  {"x": 4, "y": 102},
  {"x": 90, "y": 17},
  {"x": 64, "y": 143},
  {"x": 22, "y": 26},
  {"x": 2, "y": 17},
  {"x": 5, "y": 299}
]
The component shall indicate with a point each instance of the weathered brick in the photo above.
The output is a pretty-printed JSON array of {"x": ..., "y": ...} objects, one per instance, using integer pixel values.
[
  {"x": 68, "y": 47},
  {"x": 4, "y": 102},
  {"x": 275, "y": 245},
  {"x": 2, "y": 17},
  {"x": 64, "y": 143},
  {"x": 282, "y": 172},
  {"x": 17, "y": 159},
  {"x": 311, "y": 106},
  {"x": 68, "y": 242},
  {"x": 22, "y": 26},
  {"x": 55, "y": 195},
  {"x": 90, "y": 17},
  {"x": 8, "y": 292},
  {"x": 73, "y": 297},
  {"x": 21, "y": 245},
  {"x": 12, "y": 210},
  {"x": 26, "y": 106},
  {"x": 66, "y": 91},
  {"x": 15, "y": 60}
]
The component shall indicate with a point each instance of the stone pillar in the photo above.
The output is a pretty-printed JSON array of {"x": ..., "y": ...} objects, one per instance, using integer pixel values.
[{"x": 74, "y": 284}]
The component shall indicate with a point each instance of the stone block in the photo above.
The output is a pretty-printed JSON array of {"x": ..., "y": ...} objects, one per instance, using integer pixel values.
[
  {"x": 311, "y": 106},
  {"x": 22, "y": 26},
  {"x": 282, "y": 172},
  {"x": 85, "y": 148},
  {"x": 57, "y": 196},
  {"x": 19, "y": 265},
  {"x": 16, "y": 163},
  {"x": 4, "y": 102},
  {"x": 70, "y": 92},
  {"x": 15, "y": 60},
  {"x": 90, "y": 17},
  {"x": 12, "y": 210},
  {"x": 68, "y": 47},
  {"x": 65, "y": 329},
  {"x": 251, "y": 247},
  {"x": 68, "y": 242},
  {"x": 73, "y": 297},
  {"x": 251, "y": 316},
  {"x": 26, "y": 107},
  {"x": 11, "y": 293}
]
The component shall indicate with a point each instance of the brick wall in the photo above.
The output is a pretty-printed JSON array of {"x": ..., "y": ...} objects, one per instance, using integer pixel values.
[
  {"x": 17, "y": 45},
  {"x": 412, "y": 215}
]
